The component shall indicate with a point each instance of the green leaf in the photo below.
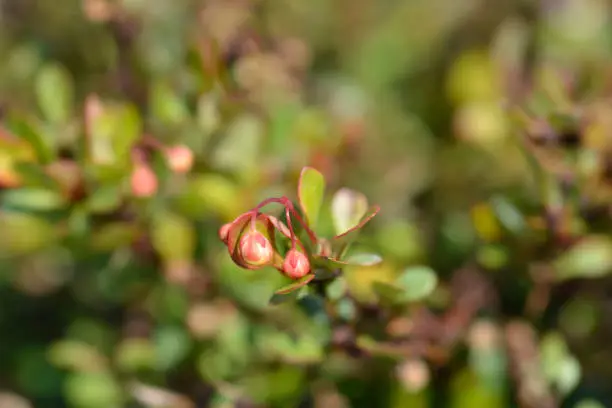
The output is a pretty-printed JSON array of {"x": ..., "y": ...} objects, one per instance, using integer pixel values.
[
  {"x": 346, "y": 309},
  {"x": 589, "y": 258},
  {"x": 310, "y": 194},
  {"x": 55, "y": 93},
  {"x": 363, "y": 259},
  {"x": 387, "y": 292},
  {"x": 559, "y": 366},
  {"x": 295, "y": 285},
  {"x": 417, "y": 283},
  {"x": 208, "y": 115},
  {"x": 35, "y": 199},
  {"x": 330, "y": 264},
  {"x": 172, "y": 344},
  {"x": 569, "y": 375},
  {"x": 589, "y": 403},
  {"x": 104, "y": 199},
  {"x": 166, "y": 105},
  {"x": 278, "y": 298},
  {"x": 114, "y": 235},
  {"x": 93, "y": 390},
  {"x": 173, "y": 237},
  {"x": 348, "y": 207},
  {"x": 134, "y": 354},
  {"x": 282, "y": 123},
  {"x": 336, "y": 289},
  {"x": 210, "y": 193},
  {"x": 24, "y": 233},
  {"x": 114, "y": 130},
  {"x": 28, "y": 129},
  {"x": 35, "y": 175},
  {"x": 306, "y": 349},
  {"x": 77, "y": 356},
  {"x": 370, "y": 344},
  {"x": 239, "y": 151},
  {"x": 341, "y": 242}
]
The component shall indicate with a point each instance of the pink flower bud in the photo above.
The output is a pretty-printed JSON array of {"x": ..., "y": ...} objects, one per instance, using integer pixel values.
[
  {"x": 296, "y": 264},
  {"x": 224, "y": 231},
  {"x": 180, "y": 158},
  {"x": 255, "y": 249},
  {"x": 143, "y": 181}
]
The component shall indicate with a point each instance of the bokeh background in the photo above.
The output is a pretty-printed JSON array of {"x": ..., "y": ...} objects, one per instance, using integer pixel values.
[{"x": 131, "y": 130}]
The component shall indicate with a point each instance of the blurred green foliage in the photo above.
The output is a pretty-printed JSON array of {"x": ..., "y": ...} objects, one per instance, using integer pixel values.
[{"x": 131, "y": 130}]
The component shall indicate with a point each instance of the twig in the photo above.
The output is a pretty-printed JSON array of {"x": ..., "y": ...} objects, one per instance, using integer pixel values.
[{"x": 533, "y": 390}]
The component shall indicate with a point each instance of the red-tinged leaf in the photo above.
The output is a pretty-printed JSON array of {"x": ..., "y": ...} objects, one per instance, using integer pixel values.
[
  {"x": 356, "y": 260},
  {"x": 341, "y": 242},
  {"x": 295, "y": 285},
  {"x": 370, "y": 214},
  {"x": 327, "y": 263},
  {"x": 348, "y": 208},
  {"x": 279, "y": 298},
  {"x": 363, "y": 259},
  {"x": 310, "y": 194}
]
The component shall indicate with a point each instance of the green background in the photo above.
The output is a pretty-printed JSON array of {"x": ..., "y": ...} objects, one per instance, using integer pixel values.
[{"x": 482, "y": 129}]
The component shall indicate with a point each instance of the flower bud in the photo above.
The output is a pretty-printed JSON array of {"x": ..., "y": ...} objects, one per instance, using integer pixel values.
[
  {"x": 180, "y": 158},
  {"x": 296, "y": 264},
  {"x": 144, "y": 181},
  {"x": 224, "y": 231},
  {"x": 255, "y": 249}
]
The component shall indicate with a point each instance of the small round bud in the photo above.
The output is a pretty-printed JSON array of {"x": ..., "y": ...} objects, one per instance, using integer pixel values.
[
  {"x": 414, "y": 375},
  {"x": 143, "y": 181},
  {"x": 255, "y": 249},
  {"x": 296, "y": 264},
  {"x": 180, "y": 158},
  {"x": 98, "y": 11},
  {"x": 224, "y": 231},
  {"x": 483, "y": 335}
]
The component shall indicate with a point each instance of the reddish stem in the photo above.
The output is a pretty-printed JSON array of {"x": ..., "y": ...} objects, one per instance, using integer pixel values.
[
  {"x": 310, "y": 233},
  {"x": 290, "y": 225},
  {"x": 285, "y": 202},
  {"x": 254, "y": 214},
  {"x": 281, "y": 200}
]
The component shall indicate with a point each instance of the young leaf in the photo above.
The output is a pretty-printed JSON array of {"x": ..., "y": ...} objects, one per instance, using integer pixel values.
[
  {"x": 363, "y": 259},
  {"x": 356, "y": 260},
  {"x": 589, "y": 258},
  {"x": 278, "y": 298},
  {"x": 327, "y": 263},
  {"x": 348, "y": 207},
  {"x": 340, "y": 242},
  {"x": 34, "y": 199},
  {"x": 417, "y": 283},
  {"x": 388, "y": 292},
  {"x": 55, "y": 93},
  {"x": 113, "y": 131},
  {"x": 104, "y": 199},
  {"x": 28, "y": 129},
  {"x": 310, "y": 193},
  {"x": 295, "y": 285}
]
